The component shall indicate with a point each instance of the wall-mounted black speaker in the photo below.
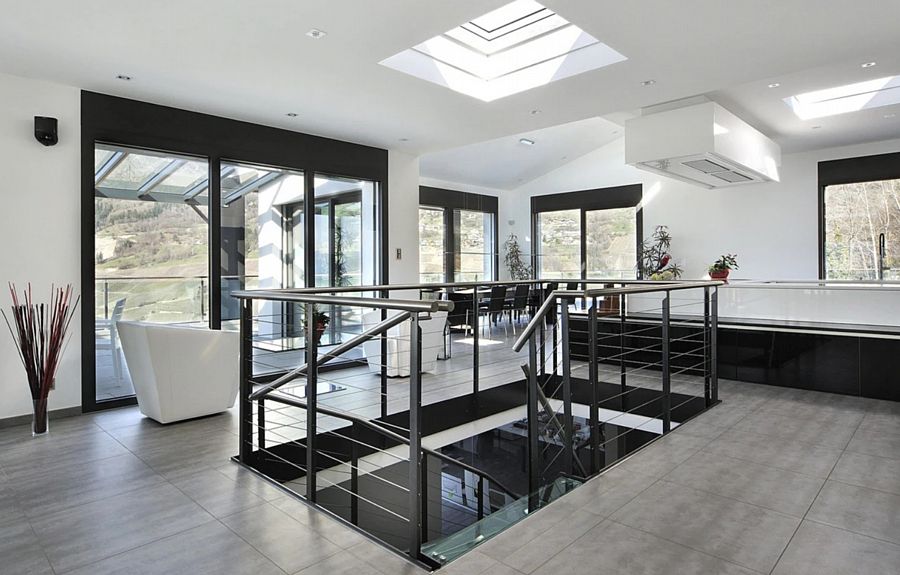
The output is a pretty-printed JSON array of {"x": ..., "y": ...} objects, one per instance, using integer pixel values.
[{"x": 45, "y": 130}]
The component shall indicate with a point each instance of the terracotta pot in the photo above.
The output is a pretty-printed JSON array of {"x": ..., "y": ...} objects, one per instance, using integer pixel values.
[{"x": 719, "y": 275}]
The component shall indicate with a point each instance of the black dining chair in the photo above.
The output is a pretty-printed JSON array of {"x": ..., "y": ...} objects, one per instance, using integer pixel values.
[
  {"x": 458, "y": 319},
  {"x": 493, "y": 307},
  {"x": 518, "y": 304},
  {"x": 550, "y": 318}
]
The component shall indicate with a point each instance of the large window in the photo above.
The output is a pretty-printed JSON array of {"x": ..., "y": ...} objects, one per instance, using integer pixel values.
[
  {"x": 457, "y": 236},
  {"x": 432, "y": 245},
  {"x": 860, "y": 227},
  {"x": 587, "y": 234}
]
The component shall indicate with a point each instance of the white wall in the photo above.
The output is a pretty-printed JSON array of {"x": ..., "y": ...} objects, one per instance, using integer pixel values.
[
  {"x": 772, "y": 227},
  {"x": 403, "y": 218},
  {"x": 39, "y": 223}
]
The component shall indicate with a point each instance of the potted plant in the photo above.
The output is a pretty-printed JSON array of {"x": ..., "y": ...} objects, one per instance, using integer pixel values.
[
  {"x": 517, "y": 268},
  {"x": 320, "y": 320},
  {"x": 720, "y": 269},
  {"x": 39, "y": 331},
  {"x": 656, "y": 262}
]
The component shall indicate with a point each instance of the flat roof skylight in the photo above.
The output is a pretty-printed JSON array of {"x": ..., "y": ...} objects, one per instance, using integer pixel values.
[
  {"x": 844, "y": 99},
  {"x": 514, "y": 48}
]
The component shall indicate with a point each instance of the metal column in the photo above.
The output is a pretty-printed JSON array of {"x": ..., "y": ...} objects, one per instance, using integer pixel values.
[
  {"x": 666, "y": 374},
  {"x": 312, "y": 373},
  {"x": 569, "y": 432},
  {"x": 415, "y": 438},
  {"x": 533, "y": 450},
  {"x": 246, "y": 373},
  {"x": 594, "y": 408},
  {"x": 713, "y": 345}
]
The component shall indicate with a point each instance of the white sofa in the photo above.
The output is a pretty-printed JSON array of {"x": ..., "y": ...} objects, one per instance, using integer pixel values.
[
  {"x": 398, "y": 344},
  {"x": 181, "y": 372}
]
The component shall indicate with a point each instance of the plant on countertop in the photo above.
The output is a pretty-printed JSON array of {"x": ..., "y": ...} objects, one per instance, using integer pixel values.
[
  {"x": 39, "y": 331},
  {"x": 518, "y": 269},
  {"x": 320, "y": 320},
  {"x": 723, "y": 265},
  {"x": 656, "y": 261}
]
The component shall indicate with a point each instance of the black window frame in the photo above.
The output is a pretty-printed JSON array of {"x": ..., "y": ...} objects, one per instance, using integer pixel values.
[
  {"x": 131, "y": 123},
  {"x": 450, "y": 201},
  {"x": 855, "y": 170},
  {"x": 611, "y": 198}
]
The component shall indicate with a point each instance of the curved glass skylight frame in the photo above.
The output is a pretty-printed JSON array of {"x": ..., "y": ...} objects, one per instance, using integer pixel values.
[{"x": 514, "y": 48}]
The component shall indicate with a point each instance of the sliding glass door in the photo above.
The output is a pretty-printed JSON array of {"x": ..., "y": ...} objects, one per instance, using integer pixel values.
[
  {"x": 611, "y": 243},
  {"x": 474, "y": 243},
  {"x": 151, "y": 251},
  {"x": 432, "y": 245},
  {"x": 559, "y": 244}
]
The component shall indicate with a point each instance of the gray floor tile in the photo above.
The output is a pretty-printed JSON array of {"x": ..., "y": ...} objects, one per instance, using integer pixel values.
[
  {"x": 664, "y": 455},
  {"x": 822, "y": 550},
  {"x": 250, "y": 481},
  {"x": 55, "y": 451},
  {"x": 100, "y": 529},
  {"x": 783, "y": 453},
  {"x": 340, "y": 564},
  {"x": 876, "y": 440},
  {"x": 472, "y": 563},
  {"x": 287, "y": 542},
  {"x": 537, "y": 524},
  {"x": 699, "y": 427},
  {"x": 210, "y": 549},
  {"x": 632, "y": 552},
  {"x": 834, "y": 432},
  {"x": 318, "y": 521},
  {"x": 731, "y": 530},
  {"x": 607, "y": 493},
  {"x": 40, "y": 493},
  {"x": 218, "y": 494},
  {"x": 768, "y": 487},
  {"x": 384, "y": 561},
  {"x": 858, "y": 509},
  {"x": 536, "y": 552},
  {"x": 20, "y": 552},
  {"x": 869, "y": 471}
]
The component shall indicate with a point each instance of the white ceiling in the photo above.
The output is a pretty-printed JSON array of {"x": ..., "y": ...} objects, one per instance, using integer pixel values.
[
  {"x": 505, "y": 163},
  {"x": 253, "y": 61}
]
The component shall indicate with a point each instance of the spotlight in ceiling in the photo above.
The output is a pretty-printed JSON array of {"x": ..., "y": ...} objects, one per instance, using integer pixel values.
[
  {"x": 316, "y": 34},
  {"x": 291, "y": 114},
  {"x": 535, "y": 112},
  {"x": 648, "y": 82},
  {"x": 774, "y": 85},
  {"x": 403, "y": 140},
  {"x": 526, "y": 142},
  {"x": 891, "y": 115},
  {"x": 868, "y": 64},
  {"x": 123, "y": 77},
  {"x": 816, "y": 127}
]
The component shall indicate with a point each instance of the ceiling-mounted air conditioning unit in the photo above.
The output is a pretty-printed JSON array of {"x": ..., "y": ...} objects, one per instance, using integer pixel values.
[{"x": 703, "y": 144}]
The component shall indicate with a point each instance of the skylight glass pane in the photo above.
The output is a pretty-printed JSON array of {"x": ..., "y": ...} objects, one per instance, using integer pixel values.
[
  {"x": 506, "y": 16},
  {"x": 845, "y": 99},
  {"x": 134, "y": 170},
  {"x": 101, "y": 156},
  {"x": 523, "y": 34},
  {"x": 192, "y": 172}
]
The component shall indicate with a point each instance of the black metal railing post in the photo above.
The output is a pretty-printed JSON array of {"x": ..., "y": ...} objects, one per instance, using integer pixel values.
[
  {"x": 593, "y": 376},
  {"x": 245, "y": 408},
  {"x": 567, "y": 434},
  {"x": 533, "y": 449},
  {"x": 714, "y": 345},
  {"x": 707, "y": 391},
  {"x": 623, "y": 369},
  {"x": 666, "y": 372},
  {"x": 354, "y": 476},
  {"x": 383, "y": 359},
  {"x": 480, "y": 497},
  {"x": 415, "y": 438},
  {"x": 312, "y": 372},
  {"x": 475, "y": 350}
]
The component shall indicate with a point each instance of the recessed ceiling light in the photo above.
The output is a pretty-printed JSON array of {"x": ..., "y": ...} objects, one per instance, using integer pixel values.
[
  {"x": 816, "y": 127},
  {"x": 291, "y": 114},
  {"x": 843, "y": 99},
  {"x": 868, "y": 64},
  {"x": 615, "y": 131},
  {"x": 519, "y": 46},
  {"x": 774, "y": 85},
  {"x": 648, "y": 82},
  {"x": 535, "y": 112},
  {"x": 123, "y": 77},
  {"x": 316, "y": 34},
  {"x": 526, "y": 142},
  {"x": 891, "y": 115},
  {"x": 403, "y": 140}
]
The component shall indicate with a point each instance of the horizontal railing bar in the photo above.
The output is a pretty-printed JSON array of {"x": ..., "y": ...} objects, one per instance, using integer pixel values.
[
  {"x": 391, "y": 435},
  {"x": 380, "y": 303},
  {"x": 662, "y": 287}
]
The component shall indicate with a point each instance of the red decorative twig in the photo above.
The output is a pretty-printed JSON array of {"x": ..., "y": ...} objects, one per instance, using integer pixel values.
[{"x": 40, "y": 332}]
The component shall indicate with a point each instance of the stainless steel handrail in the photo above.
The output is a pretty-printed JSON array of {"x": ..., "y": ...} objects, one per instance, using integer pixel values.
[
  {"x": 391, "y": 435},
  {"x": 332, "y": 353},
  {"x": 652, "y": 287},
  {"x": 379, "y": 303}
]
